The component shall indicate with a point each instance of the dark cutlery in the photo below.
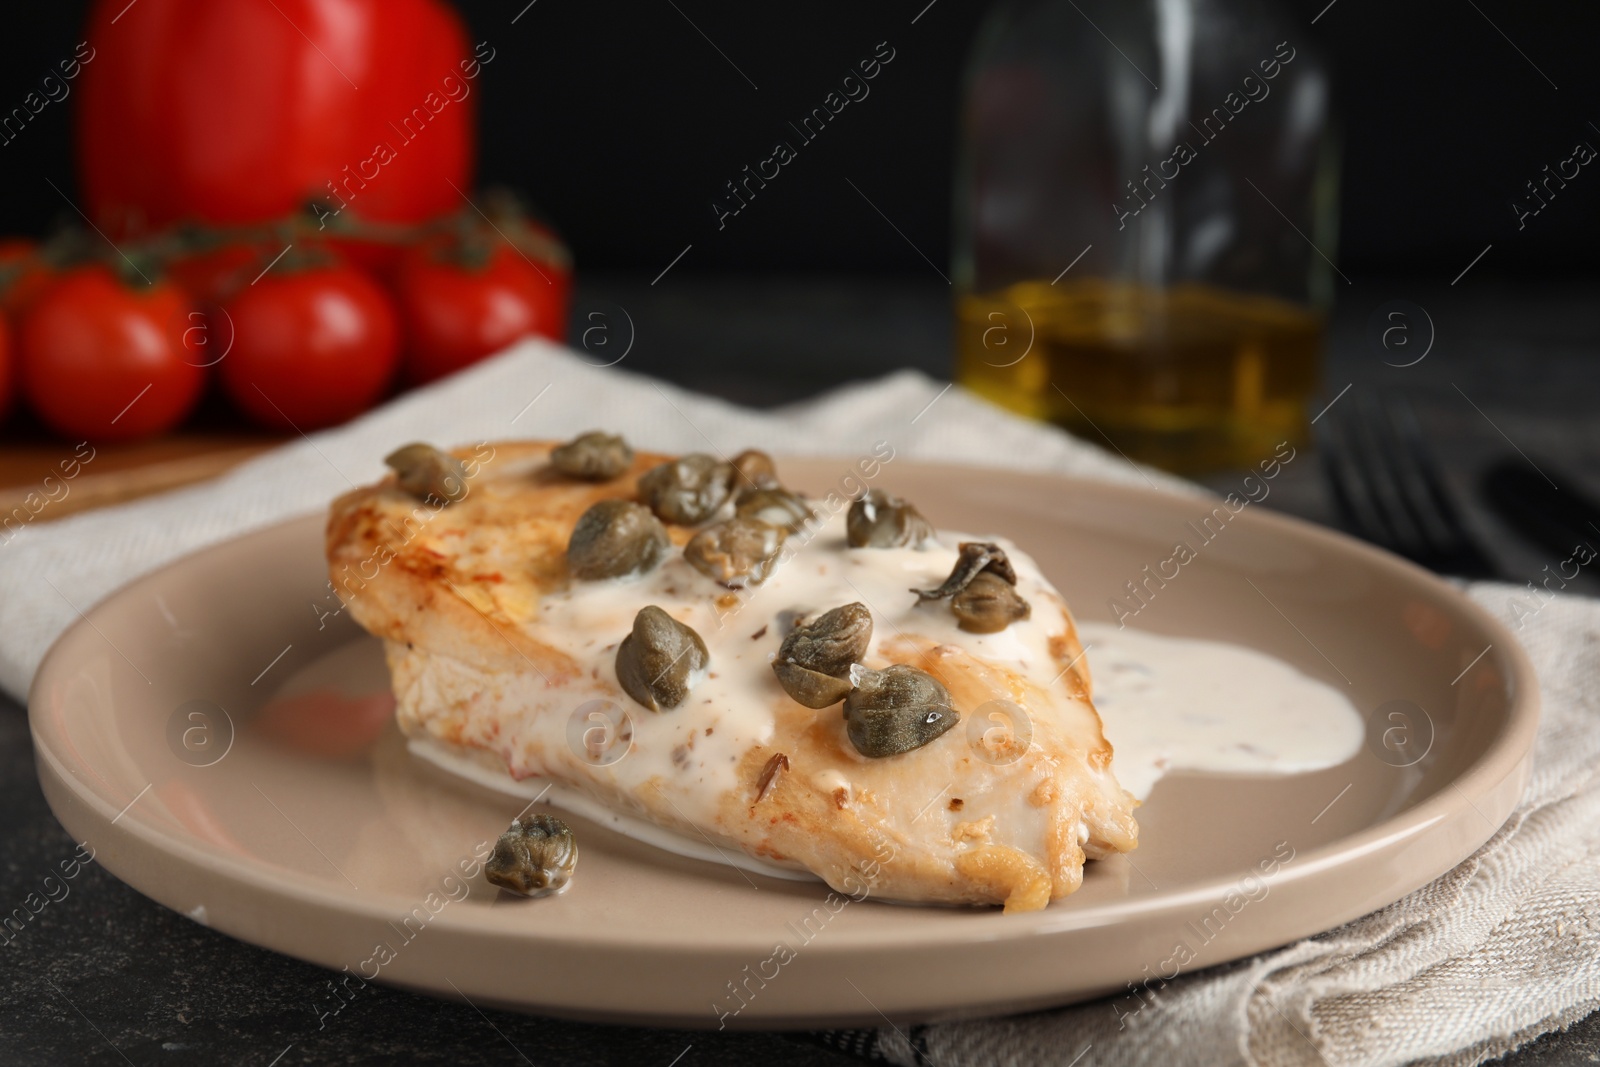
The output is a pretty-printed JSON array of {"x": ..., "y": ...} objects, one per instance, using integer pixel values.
[{"x": 1388, "y": 488}]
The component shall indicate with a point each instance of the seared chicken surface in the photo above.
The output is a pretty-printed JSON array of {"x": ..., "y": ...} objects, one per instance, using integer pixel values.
[{"x": 499, "y": 651}]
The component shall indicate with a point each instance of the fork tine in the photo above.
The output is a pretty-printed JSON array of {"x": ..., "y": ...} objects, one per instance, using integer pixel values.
[
  {"x": 1376, "y": 457},
  {"x": 1403, "y": 454},
  {"x": 1388, "y": 488},
  {"x": 1456, "y": 540},
  {"x": 1330, "y": 455},
  {"x": 1352, "y": 491}
]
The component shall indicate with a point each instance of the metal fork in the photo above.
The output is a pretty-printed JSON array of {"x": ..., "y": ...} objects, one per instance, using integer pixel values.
[{"x": 1389, "y": 490}]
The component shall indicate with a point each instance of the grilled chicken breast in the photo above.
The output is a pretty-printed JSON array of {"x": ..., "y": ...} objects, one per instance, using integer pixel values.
[{"x": 499, "y": 652}]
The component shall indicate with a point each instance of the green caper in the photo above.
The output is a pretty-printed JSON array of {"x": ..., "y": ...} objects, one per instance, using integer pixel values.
[
  {"x": 883, "y": 520},
  {"x": 687, "y": 490},
  {"x": 595, "y": 456},
  {"x": 535, "y": 858},
  {"x": 736, "y": 553},
  {"x": 813, "y": 663},
  {"x": 896, "y": 710},
  {"x": 811, "y": 688},
  {"x": 615, "y": 538},
  {"x": 977, "y": 557},
  {"x": 658, "y": 662},
  {"x": 754, "y": 469},
  {"x": 988, "y": 604},
  {"x": 777, "y": 506},
  {"x": 428, "y": 473}
]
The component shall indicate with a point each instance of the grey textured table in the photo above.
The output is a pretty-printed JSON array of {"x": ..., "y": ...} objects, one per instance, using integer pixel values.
[{"x": 103, "y": 976}]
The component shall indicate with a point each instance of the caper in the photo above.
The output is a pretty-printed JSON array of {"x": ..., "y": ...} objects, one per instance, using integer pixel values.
[
  {"x": 813, "y": 663},
  {"x": 896, "y": 710},
  {"x": 658, "y": 662},
  {"x": 687, "y": 490},
  {"x": 615, "y": 538},
  {"x": 535, "y": 857},
  {"x": 977, "y": 557},
  {"x": 595, "y": 456},
  {"x": 777, "y": 506},
  {"x": 754, "y": 469},
  {"x": 428, "y": 473},
  {"x": 988, "y": 604},
  {"x": 811, "y": 688},
  {"x": 831, "y": 642},
  {"x": 736, "y": 553},
  {"x": 883, "y": 520}
]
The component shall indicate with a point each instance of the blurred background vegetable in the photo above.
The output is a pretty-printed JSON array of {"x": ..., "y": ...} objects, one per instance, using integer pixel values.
[
  {"x": 103, "y": 357},
  {"x": 313, "y": 343},
  {"x": 194, "y": 110},
  {"x": 279, "y": 196},
  {"x": 463, "y": 297}
]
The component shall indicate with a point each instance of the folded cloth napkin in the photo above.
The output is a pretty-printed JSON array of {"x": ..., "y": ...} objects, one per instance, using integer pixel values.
[{"x": 1499, "y": 950}]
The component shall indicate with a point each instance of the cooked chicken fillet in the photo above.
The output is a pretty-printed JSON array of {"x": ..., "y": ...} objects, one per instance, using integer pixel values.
[{"x": 498, "y": 651}]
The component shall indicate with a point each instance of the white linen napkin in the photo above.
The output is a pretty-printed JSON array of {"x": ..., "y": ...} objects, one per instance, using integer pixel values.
[{"x": 1500, "y": 950}]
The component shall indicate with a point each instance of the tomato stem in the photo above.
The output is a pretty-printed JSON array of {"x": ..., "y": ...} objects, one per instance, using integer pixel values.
[{"x": 472, "y": 237}]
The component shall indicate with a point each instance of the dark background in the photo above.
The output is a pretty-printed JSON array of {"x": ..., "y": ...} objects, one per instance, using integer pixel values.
[{"x": 621, "y": 122}]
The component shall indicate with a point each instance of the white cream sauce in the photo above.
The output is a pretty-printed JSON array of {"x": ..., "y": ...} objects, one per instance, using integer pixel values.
[
  {"x": 695, "y": 748},
  {"x": 1184, "y": 703}
]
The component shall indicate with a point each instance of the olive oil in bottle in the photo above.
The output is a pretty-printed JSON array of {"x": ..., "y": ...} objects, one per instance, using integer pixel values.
[
  {"x": 1145, "y": 223},
  {"x": 1189, "y": 378}
]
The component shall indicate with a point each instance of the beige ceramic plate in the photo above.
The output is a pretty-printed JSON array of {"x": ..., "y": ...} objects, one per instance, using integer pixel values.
[{"x": 168, "y": 735}]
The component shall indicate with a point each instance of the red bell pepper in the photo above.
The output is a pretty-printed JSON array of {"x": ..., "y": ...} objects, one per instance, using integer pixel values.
[{"x": 244, "y": 110}]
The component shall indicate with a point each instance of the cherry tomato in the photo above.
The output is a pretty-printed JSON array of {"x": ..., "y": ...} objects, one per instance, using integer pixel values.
[
  {"x": 311, "y": 346},
  {"x": 24, "y": 275},
  {"x": 105, "y": 360},
  {"x": 456, "y": 311}
]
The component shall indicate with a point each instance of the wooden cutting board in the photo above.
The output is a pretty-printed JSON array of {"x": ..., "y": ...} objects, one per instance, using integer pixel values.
[{"x": 44, "y": 480}]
